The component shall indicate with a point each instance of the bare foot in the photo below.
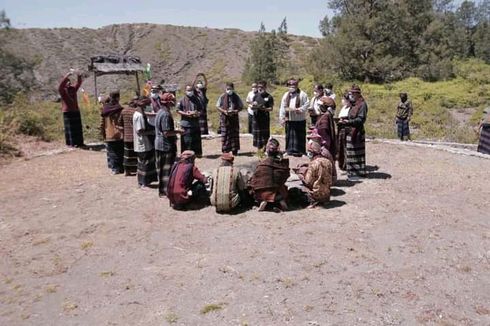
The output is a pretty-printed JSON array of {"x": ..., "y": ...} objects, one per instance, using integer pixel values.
[{"x": 262, "y": 206}]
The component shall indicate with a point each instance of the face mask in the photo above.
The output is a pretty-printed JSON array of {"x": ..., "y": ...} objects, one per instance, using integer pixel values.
[
  {"x": 154, "y": 95},
  {"x": 352, "y": 98},
  {"x": 200, "y": 86},
  {"x": 229, "y": 91},
  {"x": 310, "y": 155},
  {"x": 315, "y": 93},
  {"x": 328, "y": 91},
  {"x": 254, "y": 90},
  {"x": 292, "y": 89},
  {"x": 189, "y": 93}
]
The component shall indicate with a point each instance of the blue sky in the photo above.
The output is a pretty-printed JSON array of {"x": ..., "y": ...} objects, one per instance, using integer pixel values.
[{"x": 302, "y": 17}]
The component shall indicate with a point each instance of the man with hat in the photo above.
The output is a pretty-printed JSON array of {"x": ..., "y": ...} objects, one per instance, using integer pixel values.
[
  {"x": 262, "y": 105},
  {"x": 292, "y": 114},
  {"x": 130, "y": 160},
  {"x": 404, "y": 113},
  {"x": 71, "y": 113},
  {"x": 165, "y": 141},
  {"x": 355, "y": 135},
  {"x": 228, "y": 185}
]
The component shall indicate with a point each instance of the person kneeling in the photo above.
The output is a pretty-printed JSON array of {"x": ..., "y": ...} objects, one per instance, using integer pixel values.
[
  {"x": 186, "y": 189},
  {"x": 318, "y": 177}
]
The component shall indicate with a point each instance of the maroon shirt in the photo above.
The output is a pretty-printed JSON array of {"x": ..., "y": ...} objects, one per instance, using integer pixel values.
[
  {"x": 69, "y": 102},
  {"x": 180, "y": 181}
]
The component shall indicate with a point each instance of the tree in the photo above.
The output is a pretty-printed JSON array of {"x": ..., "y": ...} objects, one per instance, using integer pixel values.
[
  {"x": 261, "y": 64},
  {"x": 4, "y": 20}
]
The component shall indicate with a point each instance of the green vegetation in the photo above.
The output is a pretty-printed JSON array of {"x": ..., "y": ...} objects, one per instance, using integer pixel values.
[{"x": 211, "y": 307}]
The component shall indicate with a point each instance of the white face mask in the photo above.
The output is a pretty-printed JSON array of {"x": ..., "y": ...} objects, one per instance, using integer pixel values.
[
  {"x": 352, "y": 98},
  {"x": 328, "y": 91},
  {"x": 292, "y": 89},
  {"x": 200, "y": 86},
  {"x": 229, "y": 91},
  {"x": 254, "y": 89},
  {"x": 189, "y": 93},
  {"x": 310, "y": 155},
  {"x": 154, "y": 95},
  {"x": 315, "y": 93}
]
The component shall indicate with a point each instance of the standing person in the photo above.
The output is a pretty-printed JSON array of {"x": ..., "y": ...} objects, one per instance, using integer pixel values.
[
  {"x": 250, "y": 111},
  {"x": 314, "y": 109},
  {"x": 325, "y": 126},
  {"x": 328, "y": 91},
  {"x": 190, "y": 108},
  {"x": 112, "y": 132},
  {"x": 165, "y": 142},
  {"x": 356, "y": 138},
  {"x": 342, "y": 131},
  {"x": 229, "y": 104},
  {"x": 484, "y": 131},
  {"x": 262, "y": 105},
  {"x": 143, "y": 135},
  {"x": 130, "y": 160},
  {"x": 71, "y": 112},
  {"x": 292, "y": 115},
  {"x": 404, "y": 113},
  {"x": 201, "y": 88}
]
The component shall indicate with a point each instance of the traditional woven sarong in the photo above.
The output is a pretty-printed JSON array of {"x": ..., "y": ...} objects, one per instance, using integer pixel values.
[
  {"x": 230, "y": 134},
  {"x": 203, "y": 122},
  {"x": 342, "y": 147},
  {"x": 73, "y": 128},
  {"x": 115, "y": 154},
  {"x": 130, "y": 161},
  {"x": 164, "y": 162},
  {"x": 296, "y": 137},
  {"x": 261, "y": 129},
  {"x": 225, "y": 195},
  {"x": 146, "y": 168},
  {"x": 484, "y": 143},
  {"x": 191, "y": 140},
  {"x": 403, "y": 129},
  {"x": 356, "y": 155},
  {"x": 250, "y": 123}
]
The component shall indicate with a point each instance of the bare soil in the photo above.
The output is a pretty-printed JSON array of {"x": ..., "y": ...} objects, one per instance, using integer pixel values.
[{"x": 409, "y": 245}]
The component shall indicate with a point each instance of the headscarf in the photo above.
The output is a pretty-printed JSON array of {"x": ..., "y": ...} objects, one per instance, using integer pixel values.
[{"x": 272, "y": 147}]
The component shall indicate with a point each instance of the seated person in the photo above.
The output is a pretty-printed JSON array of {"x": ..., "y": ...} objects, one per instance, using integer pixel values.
[
  {"x": 318, "y": 177},
  {"x": 228, "y": 185},
  {"x": 315, "y": 137},
  {"x": 186, "y": 187},
  {"x": 269, "y": 178}
]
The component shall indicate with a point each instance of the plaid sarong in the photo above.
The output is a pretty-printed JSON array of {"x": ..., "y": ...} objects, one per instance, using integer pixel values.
[
  {"x": 130, "y": 161},
  {"x": 342, "y": 147},
  {"x": 484, "y": 143},
  {"x": 261, "y": 129},
  {"x": 203, "y": 122},
  {"x": 230, "y": 134},
  {"x": 146, "y": 168},
  {"x": 356, "y": 155},
  {"x": 164, "y": 162},
  {"x": 296, "y": 137},
  {"x": 73, "y": 128},
  {"x": 191, "y": 140},
  {"x": 403, "y": 129},
  {"x": 115, "y": 154}
]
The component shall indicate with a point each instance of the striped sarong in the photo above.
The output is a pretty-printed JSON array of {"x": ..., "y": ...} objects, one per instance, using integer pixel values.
[
  {"x": 203, "y": 122},
  {"x": 342, "y": 147},
  {"x": 261, "y": 129},
  {"x": 296, "y": 137},
  {"x": 484, "y": 143},
  {"x": 73, "y": 128},
  {"x": 146, "y": 168},
  {"x": 230, "y": 134},
  {"x": 130, "y": 161},
  {"x": 403, "y": 129},
  {"x": 164, "y": 162},
  {"x": 191, "y": 140},
  {"x": 115, "y": 154},
  {"x": 356, "y": 155}
]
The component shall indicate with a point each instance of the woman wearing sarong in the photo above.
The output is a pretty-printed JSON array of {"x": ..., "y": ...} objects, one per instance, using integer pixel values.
[
  {"x": 201, "y": 87},
  {"x": 403, "y": 115},
  {"x": 112, "y": 132},
  {"x": 71, "y": 113},
  {"x": 190, "y": 108},
  {"x": 342, "y": 131},
  {"x": 262, "y": 104},
  {"x": 229, "y": 105}
]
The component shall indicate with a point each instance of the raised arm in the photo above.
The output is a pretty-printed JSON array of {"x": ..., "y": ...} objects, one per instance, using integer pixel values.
[
  {"x": 63, "y": 82},
  {"x": 79, "y": 81}
]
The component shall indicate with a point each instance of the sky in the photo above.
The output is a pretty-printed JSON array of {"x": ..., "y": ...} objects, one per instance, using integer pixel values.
[{"x": 302, "y": 17}]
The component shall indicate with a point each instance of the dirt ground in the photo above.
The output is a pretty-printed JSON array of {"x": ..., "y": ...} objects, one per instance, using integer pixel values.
[{"x": 409, "y": 245}]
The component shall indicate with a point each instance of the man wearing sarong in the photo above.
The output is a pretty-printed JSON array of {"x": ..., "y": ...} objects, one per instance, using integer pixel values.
[
  {"x": 228, "y": 185},
  {"x": 262, "y": 105},
  {"x": 318, "y": 176},
  {"x": 342, "y": 131},
  {"x": 484, "y": 130},
  {"x": 190, "y": 108},
  {"x": 403, "y": 115},
  {"x": 355, "y": 138},
  {"x": 165, "y": 142},
  {"x": 229, "y": 105},
  {"x": 130, "y": 160},
  {"x": 201, "y": 88},
  {"x": 269, "y": 179},
  {"x": 292, "y": 115},
  {"x": 112, "y": 132},
  {"x": 71, "y": 113},
  {"x": 249, "y": 100},
  {"x": 325, "y": 125},
  {"x": 143, "y": 134},
  {"x": 314, "y": 109},
  {"x": 186, "y": 184}
]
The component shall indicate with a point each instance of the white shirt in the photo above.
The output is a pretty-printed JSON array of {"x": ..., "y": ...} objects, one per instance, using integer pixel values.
[
  {"x": 344, "y": 112},
  {"x": 304, "y": 103},
  {"x": 249, "y": 100},
  {"x": 141, "y": 143},
  {"x": 315, "y": 105}
]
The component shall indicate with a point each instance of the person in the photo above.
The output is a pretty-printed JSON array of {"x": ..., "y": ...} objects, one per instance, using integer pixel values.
[
  {"x": 72, "y": 119},
  {"x": 315, "y": 137},
  {"x": 249, "y": 100},
  {"x": 201, "y": 87},
  {"x": 269, "y": 179},
  {"x": 292, "y": 115},
  {"x": 143, "y": 135},
  {"x": 262, "y": 105},
  {"x": 328, "y": 91},
  {"x": 325, "y": 125},
  {"x": 355, "y": 137},
  {"x": 228, "y": 185},
  {"x": 112, "y": 132},
  {"x": 229, "y": 104},
  {"x": 314, "y": 109},
  {"x": 130, "y": 160},
  {"x": 165, "y": 142},
  {"x": 342, "y": 131},
  {"x": 190, "y": 108},
  {"x": 484, "y": 131},
  {"x": 404, "y": 113},
  {"x": 318, "y": 176},
  {"x": 186, "y": 184}
]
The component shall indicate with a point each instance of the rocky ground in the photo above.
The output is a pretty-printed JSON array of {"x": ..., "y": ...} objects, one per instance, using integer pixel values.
[{"x": 409, "y": 245}]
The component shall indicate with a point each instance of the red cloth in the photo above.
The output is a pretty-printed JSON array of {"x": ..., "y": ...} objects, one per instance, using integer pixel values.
[
  {"x": 69, "y": 101},
  {"x": 180, "y": 181}
]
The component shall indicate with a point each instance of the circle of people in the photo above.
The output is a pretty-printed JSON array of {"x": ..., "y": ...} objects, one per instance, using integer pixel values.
[{"x": 142, "y": 138}]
